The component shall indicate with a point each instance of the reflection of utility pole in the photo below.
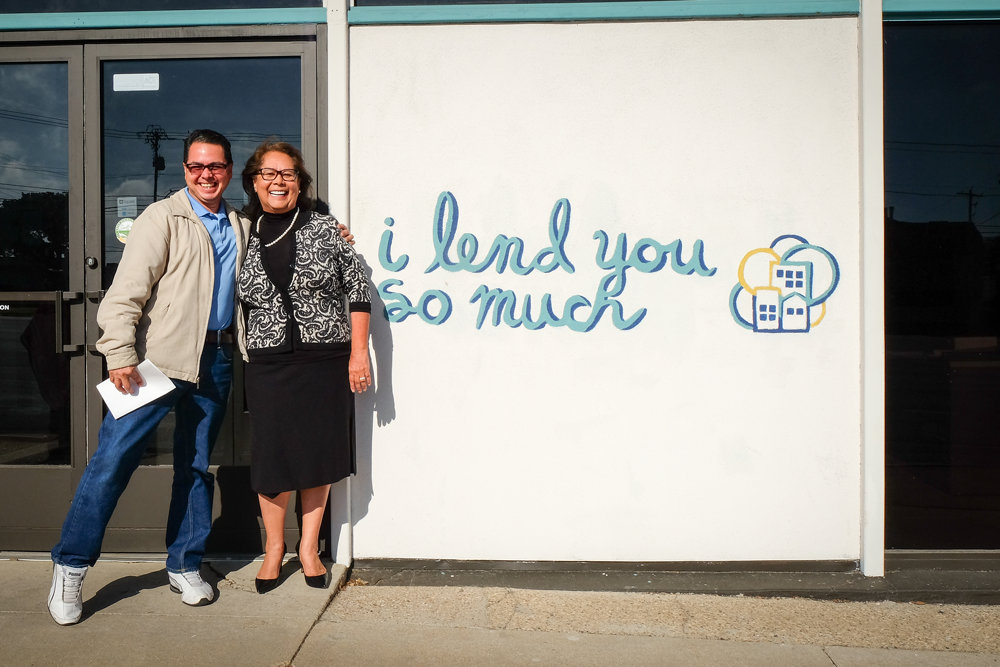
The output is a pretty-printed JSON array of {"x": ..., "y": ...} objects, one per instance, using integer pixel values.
[
  {"x": 152, "y": 136},
  {"x": 971, "y": 195}
]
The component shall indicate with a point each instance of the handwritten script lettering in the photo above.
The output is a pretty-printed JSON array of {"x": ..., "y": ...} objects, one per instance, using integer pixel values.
[
  {"x": 502, "y": 250},
  {"x": 500, "y": 306}
]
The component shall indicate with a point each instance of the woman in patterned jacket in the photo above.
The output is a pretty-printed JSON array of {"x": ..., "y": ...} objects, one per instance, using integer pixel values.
[{"x": 307, "y": 353}]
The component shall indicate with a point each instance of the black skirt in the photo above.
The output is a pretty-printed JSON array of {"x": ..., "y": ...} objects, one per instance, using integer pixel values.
[{"x": 301, "y": 424}]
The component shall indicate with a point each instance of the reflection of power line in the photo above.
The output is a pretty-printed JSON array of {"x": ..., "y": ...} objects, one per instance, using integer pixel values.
[
  {"x": 35, "y": 118},
  {"x": 933, "y": 194},
  {"x": 15, "y": 163},
  {"x": 936, "y": 143},
  {"x": 110, "y": 132},
  {"x": 983, "y": 223},
  {"x": 939, "y": 151},
  {"x": 234, "y": 137},
  {"x": 123, "y": 134},
  {"x": 165, "y": 173},
  {"x": 33, "y": 187},
  {"x": 37, "y": 170}
]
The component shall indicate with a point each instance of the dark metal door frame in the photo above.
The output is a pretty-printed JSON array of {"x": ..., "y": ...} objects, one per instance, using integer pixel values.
[
  {"x": 34, "y": 499},
  {"x": 42, "y": 494}
]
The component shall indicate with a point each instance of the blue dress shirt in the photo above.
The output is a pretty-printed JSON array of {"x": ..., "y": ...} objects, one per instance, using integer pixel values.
[{"x": 224, "y": 246}]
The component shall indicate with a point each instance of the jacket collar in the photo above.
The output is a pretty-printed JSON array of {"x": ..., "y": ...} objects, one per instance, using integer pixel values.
[{"x": 180, "y": 205}]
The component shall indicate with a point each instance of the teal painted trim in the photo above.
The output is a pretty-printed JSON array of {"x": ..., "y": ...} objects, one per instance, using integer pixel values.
[
  {"x": 936, "y": 10},
  {"x": 600, "y": 11},
  {"x": 65, "y": 20}
]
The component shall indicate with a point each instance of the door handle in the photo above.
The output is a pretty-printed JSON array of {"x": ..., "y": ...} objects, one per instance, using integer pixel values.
[
  {"x": 96, "y": 296},
  {"x": 59, "y": 298}
]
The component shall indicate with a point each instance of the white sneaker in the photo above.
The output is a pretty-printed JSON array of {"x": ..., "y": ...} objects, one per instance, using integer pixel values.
[
  {"x": 193, "y": 589},
  {"x": 66, "y": 594}
]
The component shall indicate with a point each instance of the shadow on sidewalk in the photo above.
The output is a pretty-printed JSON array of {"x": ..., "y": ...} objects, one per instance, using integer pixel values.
[{"x": 122, "y": 589}]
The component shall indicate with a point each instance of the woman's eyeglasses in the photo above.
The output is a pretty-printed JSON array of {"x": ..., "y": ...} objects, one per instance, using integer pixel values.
[
  {"x": 271, "y": 174},
  {"x": 196, "y": 167}
]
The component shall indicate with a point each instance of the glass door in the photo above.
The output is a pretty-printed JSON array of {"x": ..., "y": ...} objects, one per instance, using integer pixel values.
[
  {"x": 151, "y": 97},
  {"x": 90, "y": 135},
  {"x": 42, "y": 296}
]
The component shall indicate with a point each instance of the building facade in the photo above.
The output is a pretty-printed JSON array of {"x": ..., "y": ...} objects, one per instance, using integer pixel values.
[{"x": 578, "y": 219}]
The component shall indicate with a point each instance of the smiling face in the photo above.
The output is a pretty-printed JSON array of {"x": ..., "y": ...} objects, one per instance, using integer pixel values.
[
  {"x": 279, "y": 195},
  {"x": 207, "y": 187}
]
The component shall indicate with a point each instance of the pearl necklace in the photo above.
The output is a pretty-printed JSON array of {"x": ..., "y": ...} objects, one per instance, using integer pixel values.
[{"x": 268, "y": 245}]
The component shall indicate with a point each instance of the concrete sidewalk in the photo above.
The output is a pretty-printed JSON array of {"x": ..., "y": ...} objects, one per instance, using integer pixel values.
[{"x": 131, "y": 617}]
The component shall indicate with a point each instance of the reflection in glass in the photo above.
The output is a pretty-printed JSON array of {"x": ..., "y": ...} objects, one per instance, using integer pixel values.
[
  {"x": 34, "y": 177},
  {"x": 144, "y": 132},
  {"x": 159, "y": 449},
  {"x": 34, "y": 386},
  {"x": 942, "y": 245}
]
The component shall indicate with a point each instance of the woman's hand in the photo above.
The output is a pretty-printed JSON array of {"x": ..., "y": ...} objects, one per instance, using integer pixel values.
[
  {"x": 358, "y": 368},
  {"x": 346, "y": 233}
]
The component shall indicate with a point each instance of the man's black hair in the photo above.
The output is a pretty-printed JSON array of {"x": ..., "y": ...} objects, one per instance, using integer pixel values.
[{"x": 208, "y": 137}]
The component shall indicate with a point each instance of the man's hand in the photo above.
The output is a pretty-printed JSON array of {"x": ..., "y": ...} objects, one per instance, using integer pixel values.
[
  {"x": 346, "y": 233},
  {"x": 125, "y": 378}
]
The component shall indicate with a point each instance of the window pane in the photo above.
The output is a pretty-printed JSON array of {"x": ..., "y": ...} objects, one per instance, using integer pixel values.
[
  {"x": 34, "y": 386},
  {"x": 34, "y": 177},
  {"x": 942, "y": 245}
]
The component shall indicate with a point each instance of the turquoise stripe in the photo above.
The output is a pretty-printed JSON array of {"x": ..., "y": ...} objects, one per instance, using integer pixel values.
[
  {"x": 598, "y": 11},
  {"x": 63, "y": 20},
  {"x": 932, "y": 10}
]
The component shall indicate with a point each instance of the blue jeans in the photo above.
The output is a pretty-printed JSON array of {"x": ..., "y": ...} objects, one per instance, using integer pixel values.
[{"x": 121, "y": 443}]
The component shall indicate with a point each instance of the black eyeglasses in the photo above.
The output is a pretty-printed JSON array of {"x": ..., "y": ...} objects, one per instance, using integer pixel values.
[
  {"x": 216, "y": 167},
  {"x": 286, "y": 174}
]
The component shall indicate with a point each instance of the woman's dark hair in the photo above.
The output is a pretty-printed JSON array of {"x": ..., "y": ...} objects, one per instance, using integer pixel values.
[{"x": 253, "y": 209}]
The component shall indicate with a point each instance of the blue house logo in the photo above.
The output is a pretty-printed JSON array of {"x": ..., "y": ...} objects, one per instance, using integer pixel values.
[{"x": 776, "y": 291}]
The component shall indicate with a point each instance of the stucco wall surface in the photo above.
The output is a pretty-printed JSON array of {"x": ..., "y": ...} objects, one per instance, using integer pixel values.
[{"x": 673, "y": 433}]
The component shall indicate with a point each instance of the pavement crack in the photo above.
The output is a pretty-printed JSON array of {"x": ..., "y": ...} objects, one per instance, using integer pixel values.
[
  {"x": 827, "y": 654},
  {"x": 497, "y": 617},
  {"x": 335, "y": 587},
  {"x": 687, "y": 616},
  {"x": 513, "y": 608}
]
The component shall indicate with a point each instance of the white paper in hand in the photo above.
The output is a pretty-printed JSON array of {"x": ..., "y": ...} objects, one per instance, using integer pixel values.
[{"x": 156, "y": 384}]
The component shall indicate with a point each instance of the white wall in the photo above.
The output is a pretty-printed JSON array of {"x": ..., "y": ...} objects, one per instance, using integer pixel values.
[{"x": 687, "y": 437}]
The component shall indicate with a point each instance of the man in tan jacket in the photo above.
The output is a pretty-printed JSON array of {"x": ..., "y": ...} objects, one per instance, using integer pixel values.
[{"x": 172, "y": 302}]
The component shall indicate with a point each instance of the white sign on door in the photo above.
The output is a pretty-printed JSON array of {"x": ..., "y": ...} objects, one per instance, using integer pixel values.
[
  {"x": 129, "y": 82},
  {"x": 127, "y": 207}
]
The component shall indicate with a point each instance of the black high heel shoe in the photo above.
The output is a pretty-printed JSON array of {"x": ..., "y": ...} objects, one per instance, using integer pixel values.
[
  {"x": 317, "y": 581},
  {"x": 268, "y": 585}
]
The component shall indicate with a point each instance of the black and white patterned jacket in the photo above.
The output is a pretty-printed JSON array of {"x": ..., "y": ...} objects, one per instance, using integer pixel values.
[{"x": 326, "y": 269}]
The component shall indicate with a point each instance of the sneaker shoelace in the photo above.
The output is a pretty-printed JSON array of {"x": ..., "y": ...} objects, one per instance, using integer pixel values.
[
  {"x": 71, "y": 588},
  {"x": 193, "y": 578}
]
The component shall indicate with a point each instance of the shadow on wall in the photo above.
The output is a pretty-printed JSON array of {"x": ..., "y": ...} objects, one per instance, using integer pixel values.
[
  {"x": 375, "y": 406},
  {"x": 237, "y": 529}
]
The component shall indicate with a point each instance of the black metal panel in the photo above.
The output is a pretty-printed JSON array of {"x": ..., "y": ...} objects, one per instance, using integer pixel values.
[{"x": 38, "y": 6}]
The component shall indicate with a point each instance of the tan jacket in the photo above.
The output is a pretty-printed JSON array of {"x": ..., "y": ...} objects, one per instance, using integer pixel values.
[{"x": 159, "y": 303}]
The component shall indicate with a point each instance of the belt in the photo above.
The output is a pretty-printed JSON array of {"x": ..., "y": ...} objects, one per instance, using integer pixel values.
[{"x": 218, "y": 337}]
